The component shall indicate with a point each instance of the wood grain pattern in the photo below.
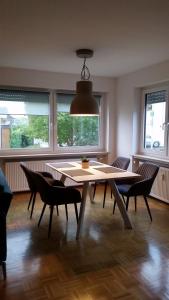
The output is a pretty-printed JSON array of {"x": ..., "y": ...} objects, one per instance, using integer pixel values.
[{"x": 108, "y": 262}]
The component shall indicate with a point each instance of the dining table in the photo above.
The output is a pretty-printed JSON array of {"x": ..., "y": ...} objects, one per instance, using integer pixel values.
[{"x": 96, "y": 172}]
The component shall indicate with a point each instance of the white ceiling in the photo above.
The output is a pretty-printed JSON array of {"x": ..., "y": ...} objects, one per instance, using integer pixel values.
[{"x": 126, "y": 35}]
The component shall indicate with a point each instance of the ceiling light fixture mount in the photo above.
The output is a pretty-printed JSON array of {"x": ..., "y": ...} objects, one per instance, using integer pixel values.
[
  {"x": 84, "y": 53},
  {"x": 84, "y": 104}
]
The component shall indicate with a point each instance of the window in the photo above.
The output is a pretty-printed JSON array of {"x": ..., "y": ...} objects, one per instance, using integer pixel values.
[
  {"x": 76, "y": 131},
  {"x": 155, "y": 120},
  {"x": 24, "y": 119},
  {"x": 40, "y": 121}
]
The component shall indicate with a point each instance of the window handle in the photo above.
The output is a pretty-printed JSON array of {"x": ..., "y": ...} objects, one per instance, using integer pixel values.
[{"x": 165, "y": 124}]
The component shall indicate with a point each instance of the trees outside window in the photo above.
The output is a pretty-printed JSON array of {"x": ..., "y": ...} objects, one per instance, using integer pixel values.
[
  {"x": 31, "y": 132},
  {"x": 25, "y": 117},
  {"x": 75, "y": 131}
]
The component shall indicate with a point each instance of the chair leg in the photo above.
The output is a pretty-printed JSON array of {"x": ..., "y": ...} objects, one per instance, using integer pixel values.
[
  {"x": 57, "y": 208},
  {"x": 105, "y": 190},
  {"x": 30, "y": 200},
  {"x": 123, "y": 199},
  {"x": 43, "y": 209},
  {"x": 94, "y": 191},
  {"x": 148, "y": 208},
  {"x": 76, "y": 212},
  {"x": 135, "y": 203},
  {"x": 111, "y": 193},
  {"x": 33, "y": 204},
  {"x": 114, "y": 206},
  {"x": 50, "y": 220},
  {"x": 127, "y": 202},
  {"x": 3, "y": 264},
  {"x": 66, "y": 212}
]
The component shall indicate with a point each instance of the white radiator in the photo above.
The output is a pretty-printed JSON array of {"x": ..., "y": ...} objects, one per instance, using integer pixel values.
[{"x": 16, "y": 177}]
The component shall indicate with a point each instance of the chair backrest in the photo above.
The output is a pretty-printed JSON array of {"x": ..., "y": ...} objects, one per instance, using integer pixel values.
[
  {"x": 5, "y": 194},
  {"x": 29, "y": 176},
  {"x": 36, "y": 182},
  {"x": 5, "y": 200},
  {"x": 49, "y": 194},
  {"x": 148, "y": 171},
  {"x": 121, "y": 162},
  {"x": 42, "y": 186}
]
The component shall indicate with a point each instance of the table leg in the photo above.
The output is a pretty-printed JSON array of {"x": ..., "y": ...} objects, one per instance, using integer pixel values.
[
  {"x": 82, "y": 209},
  {"x": 120, "y": 204}
]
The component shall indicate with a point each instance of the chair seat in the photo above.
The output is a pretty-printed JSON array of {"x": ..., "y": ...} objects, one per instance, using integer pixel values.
[
  {"x": 63, "y": 195},
  {"x": 121, "y": 163},
  {"x": 54, "y": 196},
  {"x": 30, "y": 180},
  {"x": 142, "y": 187},
  {"x": 123, "y": 188},
  {"x": 54, "y": 182}
]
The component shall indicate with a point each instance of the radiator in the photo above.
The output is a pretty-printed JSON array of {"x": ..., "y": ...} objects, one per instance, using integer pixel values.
[{"x": 17, "y": 180}]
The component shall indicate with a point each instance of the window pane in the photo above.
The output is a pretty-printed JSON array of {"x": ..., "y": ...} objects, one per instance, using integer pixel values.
[
  {"x": 155, "y": 110},
  {"x": 24, "y": 119},
  {"x": 75, "y": 131}
]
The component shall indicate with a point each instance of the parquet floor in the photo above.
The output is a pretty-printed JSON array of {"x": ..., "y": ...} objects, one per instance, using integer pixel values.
[{"x": 108, "y": 262}]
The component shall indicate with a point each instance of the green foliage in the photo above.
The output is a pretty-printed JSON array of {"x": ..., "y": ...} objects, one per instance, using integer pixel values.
[
  {"x": 39, "y": 127},
  {"x": 71, "y": 131},
  {"x": 77, "y": 131},
  {"x": 85, "y": 159},
  {"x": 19, "y": 136},
  {"x": 64, "y": 129},
  {"x": 24, "y": 132},
  {"x": 15, "y": 140}
]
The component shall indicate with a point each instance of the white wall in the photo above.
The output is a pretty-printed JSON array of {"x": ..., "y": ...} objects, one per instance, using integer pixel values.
[
  {"x": 40, "y": 79},
  {"x": 122, "y": 95},
  {"x": 128, "y": 96}
]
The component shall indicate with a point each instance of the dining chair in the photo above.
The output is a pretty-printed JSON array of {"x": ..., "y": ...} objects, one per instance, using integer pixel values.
[
  {"x": 55, "y": 195},
  {"x": 31, "y": 183},
  {"x": 141, "y": 185},
  {"x": 5, "y": 201},
  {"x": 121, "y": 163}
]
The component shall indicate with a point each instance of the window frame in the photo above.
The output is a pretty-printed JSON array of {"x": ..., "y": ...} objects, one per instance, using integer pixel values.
[
  {"x": 22, "y": 151},
  {"x": 53, "y": 148},
  {"x": 154, "y": 151},
  {"x": 102, "y": 137}
]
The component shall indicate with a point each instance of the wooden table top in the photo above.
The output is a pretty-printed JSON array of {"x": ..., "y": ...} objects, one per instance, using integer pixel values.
[{"x": 96, "y": 171}]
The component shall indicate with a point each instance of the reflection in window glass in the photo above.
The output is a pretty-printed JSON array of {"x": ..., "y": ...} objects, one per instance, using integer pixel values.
[
  {"x": 75, "y": 131},
  {"x": 155, "y": 113},
  {"x": 24, "y": 119}
]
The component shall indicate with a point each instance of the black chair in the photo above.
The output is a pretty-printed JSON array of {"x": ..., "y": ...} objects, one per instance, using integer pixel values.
[
  {"x": 5, "y": 200},
  {"x": 141, "y": 186},
  {"x": 30, "y": 180},
  {"x": 121, "y": 163},
  {"x": 55, "y": 195}
]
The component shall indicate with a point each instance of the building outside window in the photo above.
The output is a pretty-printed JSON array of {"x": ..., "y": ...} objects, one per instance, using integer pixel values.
[
  {"x": 155, "y": 125},
  {"x": 24, "y": 120}
]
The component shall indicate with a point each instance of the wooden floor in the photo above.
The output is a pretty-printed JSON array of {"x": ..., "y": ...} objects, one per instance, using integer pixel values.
[{"x": 108, "y": 262}]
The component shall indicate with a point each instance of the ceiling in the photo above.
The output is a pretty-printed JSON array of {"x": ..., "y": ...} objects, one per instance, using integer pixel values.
[{"x": 126, "y": 35}]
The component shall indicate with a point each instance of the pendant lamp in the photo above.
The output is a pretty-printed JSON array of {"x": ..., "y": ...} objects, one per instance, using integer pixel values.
[{"x": 84, "y": 104}]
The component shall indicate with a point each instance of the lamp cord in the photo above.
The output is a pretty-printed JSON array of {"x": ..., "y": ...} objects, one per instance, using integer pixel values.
[{"x": 85, "y": 73}]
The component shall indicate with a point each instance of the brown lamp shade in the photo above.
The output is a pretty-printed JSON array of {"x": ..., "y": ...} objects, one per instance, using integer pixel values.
[{"x": 84, "y": 104}]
